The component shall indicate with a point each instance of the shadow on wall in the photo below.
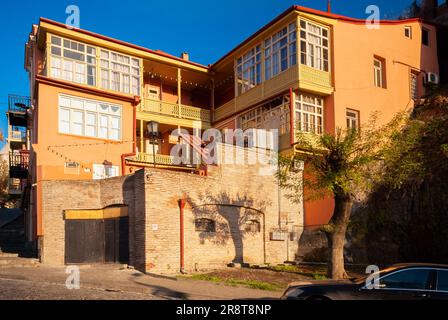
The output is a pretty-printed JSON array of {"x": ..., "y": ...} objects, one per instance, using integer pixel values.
[{"x": 234, "y": 218}]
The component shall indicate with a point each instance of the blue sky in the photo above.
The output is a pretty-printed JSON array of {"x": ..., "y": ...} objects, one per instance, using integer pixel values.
[{"x": 205, "y": 29}]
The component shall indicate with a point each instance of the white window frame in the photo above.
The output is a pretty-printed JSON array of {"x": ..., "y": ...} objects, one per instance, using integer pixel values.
[
  {"x": 307, "y": 120},
  {"x": 284, "y": 40},
  {"x": 81, "y": 70},
  {"x": 248, "y": 70},
  {"x": 314, "y": 45},
  {"x": 408, "y": 29},
  {"x": 87, "y": 107},
  {"x": 119, "y": 72},
  {"x": 352, "y": 117},
  {"x": 378, "y": 72}
]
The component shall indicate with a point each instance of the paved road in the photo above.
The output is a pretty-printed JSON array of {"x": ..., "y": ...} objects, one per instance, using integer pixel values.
[{"x": 112, "y": 283}]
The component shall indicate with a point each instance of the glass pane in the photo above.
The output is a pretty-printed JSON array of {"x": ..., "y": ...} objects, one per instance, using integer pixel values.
[
  {"x": 442, "y": 280},
  {"x": 56, "y": 40},
  {"x": 408, "y": 279}
]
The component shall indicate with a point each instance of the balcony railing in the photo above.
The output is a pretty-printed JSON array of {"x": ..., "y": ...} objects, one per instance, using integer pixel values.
[
  {"x": 18, "y": 103},
  {"x": 19, "y": 160},
  {"x": 172, "y": 110}
]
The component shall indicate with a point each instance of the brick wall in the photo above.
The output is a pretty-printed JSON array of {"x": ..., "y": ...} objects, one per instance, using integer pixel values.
[{"x": 231, "y": 195}]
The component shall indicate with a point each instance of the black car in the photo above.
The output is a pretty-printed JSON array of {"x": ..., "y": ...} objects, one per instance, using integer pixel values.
[{"x": 416, "y": 281}]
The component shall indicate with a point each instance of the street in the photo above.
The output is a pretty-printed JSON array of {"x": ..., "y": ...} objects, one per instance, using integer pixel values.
[{"x": 111, "y": 282}]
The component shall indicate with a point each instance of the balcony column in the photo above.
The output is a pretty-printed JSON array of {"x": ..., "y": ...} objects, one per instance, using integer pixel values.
[
  {"x": 212, "y": 100},
  {"x": 142, "y": 140},
  {"x": 179, "y": 93}
]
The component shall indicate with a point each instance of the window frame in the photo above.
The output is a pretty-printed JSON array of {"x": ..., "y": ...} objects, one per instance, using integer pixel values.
[
  {"x": 309, "y": 49},
  {"x": 299, "y": 119},
  {"x": 409, "y": 30},
  {"x": 114, "y": 67},
  {"x": 273, "y": 47},
  {"x": 65, "y": 61},
  {"x": 426, "y": 31},
  {"x": 250, "y": 62},
  {"x": 104, "y": 170},
  {"x": 355, "y": 119},
  {"x": 379, "y": 82},
  {"x": 85, "y": 111}
]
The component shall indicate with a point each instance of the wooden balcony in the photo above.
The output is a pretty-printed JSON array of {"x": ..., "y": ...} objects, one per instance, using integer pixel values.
[
  {"x": 167, "y": 112},
  {"x": 297, "y": 77}
]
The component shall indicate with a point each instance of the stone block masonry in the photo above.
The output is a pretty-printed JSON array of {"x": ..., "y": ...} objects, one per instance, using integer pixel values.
[{"x": 244, "y": 206}]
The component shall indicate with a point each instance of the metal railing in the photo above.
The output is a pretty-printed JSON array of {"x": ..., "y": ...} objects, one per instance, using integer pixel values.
[
  {"x": 19, "y": 160},
  {"x": 172, "y": 110},
  {"x": 14, "y": 186},
  {"x": 18, "y": 103}
]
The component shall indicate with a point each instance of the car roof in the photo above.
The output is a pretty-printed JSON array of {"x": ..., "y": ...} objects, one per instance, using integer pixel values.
[{"x": 420, "y": 265}]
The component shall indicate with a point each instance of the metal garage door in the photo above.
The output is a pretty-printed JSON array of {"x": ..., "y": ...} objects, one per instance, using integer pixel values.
[{"x": 97, "y": 241}]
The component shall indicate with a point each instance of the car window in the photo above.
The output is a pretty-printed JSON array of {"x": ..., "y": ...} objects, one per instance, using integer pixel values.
[
  {"x": 442, "y": 280},
  {"x": 407, "y": 279}
]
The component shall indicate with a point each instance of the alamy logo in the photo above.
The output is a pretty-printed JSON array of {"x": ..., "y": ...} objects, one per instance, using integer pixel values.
[
  {"x": 73, "y": 281},
  {"x": 373, "y": 20},
  {"x": 74, "y": 17},
  {"x": 373, "y": 280}
]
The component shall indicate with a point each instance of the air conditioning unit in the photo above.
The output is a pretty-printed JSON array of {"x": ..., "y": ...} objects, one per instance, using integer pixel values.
[{"x": 431, "y": 78}]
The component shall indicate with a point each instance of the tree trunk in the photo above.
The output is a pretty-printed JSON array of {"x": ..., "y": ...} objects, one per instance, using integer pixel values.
[{"x": 336, "y": 236}]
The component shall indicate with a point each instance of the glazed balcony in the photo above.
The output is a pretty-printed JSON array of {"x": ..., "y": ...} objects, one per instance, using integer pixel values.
[
  {"x": 16, "y": 135},
  {"x": 17, "y": 110},
  {"x": 299, "y": 77}
]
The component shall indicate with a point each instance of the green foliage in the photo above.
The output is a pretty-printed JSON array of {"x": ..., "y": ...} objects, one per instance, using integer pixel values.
[{"x": 352, "y": 161}]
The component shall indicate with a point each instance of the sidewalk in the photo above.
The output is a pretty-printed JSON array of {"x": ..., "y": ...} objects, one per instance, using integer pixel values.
[{"x": 124, "y": 283}]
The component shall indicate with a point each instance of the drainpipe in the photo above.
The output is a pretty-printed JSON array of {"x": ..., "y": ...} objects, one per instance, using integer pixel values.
[
  {"x": 182, "y": 203},
  {"x": 134, "y": 136}
]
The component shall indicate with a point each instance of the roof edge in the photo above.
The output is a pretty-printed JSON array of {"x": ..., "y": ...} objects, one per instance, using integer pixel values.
[{"x": 134, "y": 46}]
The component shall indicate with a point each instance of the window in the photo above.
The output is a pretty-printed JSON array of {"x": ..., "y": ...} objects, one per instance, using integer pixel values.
[
  {"x": 252, "y": 226},
  {"x": 407, "y": 279},
  {"x": 280, "y": 51},
  {"x": 89, "y": 118},
  {"x": 314, "y": 44},
  {"x": 119, "y": 72},
  {"x": 101, "y": 171},
  {"x": 414, "y": 86},
  {"x": 408, "y": 32},
  {"x": 352, "y": 119},
  {"x": 425, "y": 37},
  {"x": 271, "y": 115},
  {"x": 77, "y": 62},
  {"x": 204, "y": 225},
  {"x": 379, "y": 72},
  {"x": 309, "y": 113},
  {"x": 73, "y": 61},
  {"x": 442, "y": 280},
  {"x": 248, "y": 70}
]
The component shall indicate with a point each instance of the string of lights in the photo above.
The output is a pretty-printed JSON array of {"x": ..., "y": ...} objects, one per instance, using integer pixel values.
[{"x": 162, "y": 76}]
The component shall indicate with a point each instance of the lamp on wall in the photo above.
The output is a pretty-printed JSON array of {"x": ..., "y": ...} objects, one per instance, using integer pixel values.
[{"x": 153, "y": 133}]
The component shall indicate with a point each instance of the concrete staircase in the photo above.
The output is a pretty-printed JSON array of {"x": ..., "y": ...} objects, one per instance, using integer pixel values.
[{"x": 12, "y": 244}]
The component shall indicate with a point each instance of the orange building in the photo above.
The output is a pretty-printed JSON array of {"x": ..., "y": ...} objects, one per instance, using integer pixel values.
[{"x": 102, "y": 107}]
